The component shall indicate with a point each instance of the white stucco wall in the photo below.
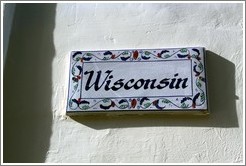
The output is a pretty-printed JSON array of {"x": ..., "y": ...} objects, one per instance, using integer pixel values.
[
  {"x": 154, "y": 138},
  {"x": 218, "y": 27}
]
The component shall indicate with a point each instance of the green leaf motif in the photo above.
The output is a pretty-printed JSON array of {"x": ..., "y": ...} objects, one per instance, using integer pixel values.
[
  {"x": 183, "y": 50},
  {"x": 73, "y": 71},
  {"x": 198, "y": 84},
  {"x": 75, "y": 86},
  {"x": 89, "y": 54},
  {"x": 125, "y": 53},
  {"x": 202, "y": 97},
  {"x": 105, "y": 58},
  {"x": 166, "y": 56},
  {"x": 147, "y": 53},
  {"x": 165, "y": 101},
  {"x": 78, "y": 59},
  {"x": 200, "y": 66},
  {"x": 106, "y": 100},
  {"x": 123, "y": 106},
  {"x": 146, "y": 105},
  {"x": 183, "y": 105},
  {"x": 85, "y": 107}
]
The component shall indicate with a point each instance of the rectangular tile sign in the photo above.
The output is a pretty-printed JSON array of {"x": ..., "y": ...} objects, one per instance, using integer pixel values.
[{"x": 151, "y": 80}]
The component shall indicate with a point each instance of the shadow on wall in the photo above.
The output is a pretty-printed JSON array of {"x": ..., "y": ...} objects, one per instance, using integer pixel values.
[
  {"x": 221, "y": 90},
  {"x": 27, "y": 84}
]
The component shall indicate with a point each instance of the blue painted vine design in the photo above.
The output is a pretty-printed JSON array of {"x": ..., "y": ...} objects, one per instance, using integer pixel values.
[{"x": 78, "y": 58}]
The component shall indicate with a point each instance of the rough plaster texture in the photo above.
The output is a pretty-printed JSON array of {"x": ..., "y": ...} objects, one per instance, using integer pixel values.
[{"x": 151, "y": 138}]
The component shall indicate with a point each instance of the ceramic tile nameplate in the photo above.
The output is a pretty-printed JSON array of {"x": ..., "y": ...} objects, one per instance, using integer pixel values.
[{"x": 141, "y": 80}]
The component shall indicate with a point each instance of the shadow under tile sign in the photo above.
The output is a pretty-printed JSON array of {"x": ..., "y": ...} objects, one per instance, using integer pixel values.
[{"x": 138, "y": 81}]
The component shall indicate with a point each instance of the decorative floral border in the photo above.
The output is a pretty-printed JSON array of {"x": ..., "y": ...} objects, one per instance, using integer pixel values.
[{"x": 197, "y": 101}]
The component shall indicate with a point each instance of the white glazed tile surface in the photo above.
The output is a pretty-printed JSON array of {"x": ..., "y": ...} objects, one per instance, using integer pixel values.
[{"x": 147, "y": 80}]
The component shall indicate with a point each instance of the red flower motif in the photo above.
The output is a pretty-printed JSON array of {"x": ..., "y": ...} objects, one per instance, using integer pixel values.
[
  {"x": 133, "y": 103},
  {"x": 155, "y": 102},
  {"x": 189, "y": 56},
  {"x": 112, "y": 104},
  {"x": 113, "y": 56},
  {"x": 193, "y": 105},
  {"x": 135, "y": 54},
  {"x": 79, "y": 100},
  {"x": 81, "y": 60},
  {"x": 159, "y": 55},
  {"x": 78, "y": 77}
]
